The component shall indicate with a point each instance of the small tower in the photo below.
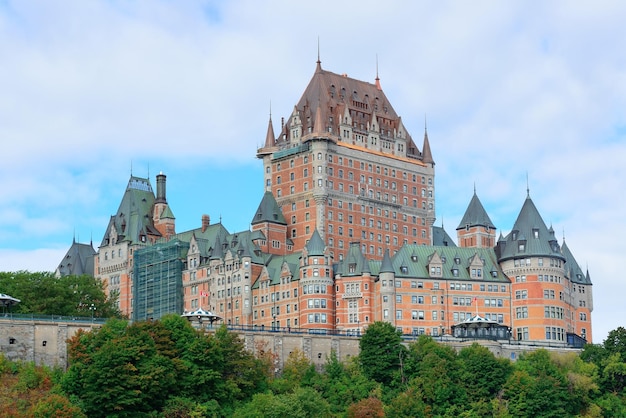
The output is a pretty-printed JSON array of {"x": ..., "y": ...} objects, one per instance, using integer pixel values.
[{"x": 476, "y": 229}]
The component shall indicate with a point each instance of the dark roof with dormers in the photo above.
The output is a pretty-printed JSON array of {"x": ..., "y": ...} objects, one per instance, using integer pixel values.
[
  {"x": 354, "y": 263},
  {"x": 334, "y": 95},
  {"x": 78, "y": 260},
  {"x": 441, "y": 237},
  {"x": 475, "y": 215},
  {"x": 531, "y": 231},
  {"x": 572, "y": 268},
  {"x": 315, "y": 246},
  {"x": 269, "y": 211},
  {"x": 413, "y": 261},
  {"x": 134, "y": 215},
  {"x": 274, "y": 265}
]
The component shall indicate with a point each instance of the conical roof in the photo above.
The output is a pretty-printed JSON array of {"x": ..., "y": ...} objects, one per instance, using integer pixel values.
[
  {"x": 574, "y": 272},
  {"x": 315, "y": 246},
  {"x": 530, "y": 236},
  {"x": 475, "y": 215},
  {"x": 269, "y": 211}
]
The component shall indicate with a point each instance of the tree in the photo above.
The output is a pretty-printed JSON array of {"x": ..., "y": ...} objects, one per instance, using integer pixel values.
[
  {"x": 302, "y": 403},
  {"x": 538, "y": 388},
  {"x": 481, "y": 373},
  {"x": 43, "y": 293},
  {"x": 123, "y": 370},
  {"x": 366, "y": 408},
  {"x": 381, "y": 352},
  {"x": 434, "y": 371}
]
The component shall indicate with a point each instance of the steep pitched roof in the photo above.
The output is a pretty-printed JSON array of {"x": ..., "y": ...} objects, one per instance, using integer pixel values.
[
  {"x": 427, "y": 156},
  {"x": 475, "y": 215},
  {"x": 354, "y": 263},
  {"x": 530, "y": 236},
  {"x": 134, "y": 215},
  {"x": 78, "y": 260},
  {"x": 329, "y": 97},
  {"x": 573, "y": 270},
  {"x": 269, "y": 211},
  {"x": 441, "y": 237},
  {"x": 315, "y": 246}
]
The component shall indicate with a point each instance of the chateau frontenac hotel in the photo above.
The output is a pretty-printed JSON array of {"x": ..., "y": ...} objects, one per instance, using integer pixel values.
[{"x": 343, "y": 236}]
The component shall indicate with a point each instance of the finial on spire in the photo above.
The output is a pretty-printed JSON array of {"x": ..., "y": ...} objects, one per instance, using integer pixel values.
[
  {"x": 425, "y": 124},
  {"x": 131, "y": 167},
  {"x": 377, "y": 79},
  {"x": 527, "y": 186},
  {"x": 319, "y": 61},
  {"x": 474, "y": 187}
]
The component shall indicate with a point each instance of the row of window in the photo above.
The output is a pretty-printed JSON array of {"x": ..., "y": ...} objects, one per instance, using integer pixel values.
[{"x": 362, "y": 165}]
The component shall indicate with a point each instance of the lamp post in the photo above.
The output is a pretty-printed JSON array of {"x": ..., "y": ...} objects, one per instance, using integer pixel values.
[
  {"x": 274, "y": 323},
  {"x": 92, "y": 308}
]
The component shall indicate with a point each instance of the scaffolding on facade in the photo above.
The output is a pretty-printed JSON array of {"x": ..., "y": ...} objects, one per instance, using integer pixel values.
[{"x": 158, "y": 281}]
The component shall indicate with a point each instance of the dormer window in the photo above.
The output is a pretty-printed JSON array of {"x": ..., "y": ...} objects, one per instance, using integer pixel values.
[
  {"x": 535, "y": 233},
  {"x": 457, "y": 260},
  {"x": 455, "y": 272},
  {"x": 404, "y": 269},
  {"x": 514, "y": 235},
  {"x": 414, "y": 258}
]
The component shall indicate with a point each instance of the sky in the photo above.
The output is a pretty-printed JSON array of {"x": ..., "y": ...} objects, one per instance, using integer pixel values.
[{"x": 516, "y": 95}]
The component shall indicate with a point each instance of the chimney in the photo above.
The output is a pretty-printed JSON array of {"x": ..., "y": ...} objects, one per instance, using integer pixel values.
[
  {"x": 206, "y": 221},
  {"x": 160, "y": 196}
]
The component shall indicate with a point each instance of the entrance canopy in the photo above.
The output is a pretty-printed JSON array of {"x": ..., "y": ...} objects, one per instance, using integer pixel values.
[
  {"x": 8, "y": 301},
  {"x": 201, "y": 315}
]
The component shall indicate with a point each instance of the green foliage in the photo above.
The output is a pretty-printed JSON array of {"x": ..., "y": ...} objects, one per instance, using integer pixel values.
[
  {"x": 134, "y": 370},
  {"x": 381, "y": 352},
  {"x": 481, "y": 373},
  {"x": 435, "y": 371},
  {"x": 538, "y": 388},
  {"x": 43, "y": 293},
  {"x": 55, "y": 405},
  {"x": 302, "y": 403},
  {"x": 343, "y": 384}
]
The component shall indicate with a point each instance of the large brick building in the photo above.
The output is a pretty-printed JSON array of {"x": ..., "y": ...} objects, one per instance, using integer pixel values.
[{"x": 343, "y": 236}]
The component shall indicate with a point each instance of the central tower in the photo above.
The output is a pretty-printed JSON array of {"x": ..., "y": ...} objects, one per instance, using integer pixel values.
[{"x": 344, "y": 164}]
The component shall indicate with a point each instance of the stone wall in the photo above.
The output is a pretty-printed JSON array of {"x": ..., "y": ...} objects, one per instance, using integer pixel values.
[{"x": 45, "y": 342}]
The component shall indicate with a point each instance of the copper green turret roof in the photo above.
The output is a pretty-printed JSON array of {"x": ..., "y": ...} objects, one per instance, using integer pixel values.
[
  {"x": 573, "y": 270},
  {"x": 386, "y": 266},
  {"x": 475, "y": 215},
  {"x": 354, "y": 263},
  {"x": 269, "y": 211},
  {"x": 530, "y": 237},
  {"x": 134, "y": 215},
  {"x": 315, "y": 246}
]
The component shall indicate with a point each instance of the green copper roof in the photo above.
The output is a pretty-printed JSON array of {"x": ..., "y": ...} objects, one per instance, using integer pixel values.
[
  {"x": 269, "y": 211},
  {"x": 354, "y": 263},
  {"x": 573, "y": 270},
  {"x": 441, "y": 237},
  {"x": 134, "y": 215},
  {"x": 315, "y": 246},
  {"x": 475, "y": 215},
  {"x": 529, "y": 237}
]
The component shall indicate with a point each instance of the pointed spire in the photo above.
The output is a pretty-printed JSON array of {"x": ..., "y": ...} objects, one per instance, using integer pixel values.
[
  {"x": 386, "y": 266},
  {"x": 377, "y": 79},
  {"x": 427, "y": 156},
  {"x": 269, "y": 137},
  {"x": 319, "y": 62}
]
